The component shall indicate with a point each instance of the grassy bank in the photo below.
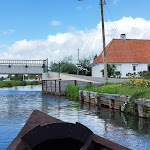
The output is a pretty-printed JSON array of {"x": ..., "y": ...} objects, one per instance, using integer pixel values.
[
  {"x": 133, "y": 87},
  {"x": 18, "y": 83}
]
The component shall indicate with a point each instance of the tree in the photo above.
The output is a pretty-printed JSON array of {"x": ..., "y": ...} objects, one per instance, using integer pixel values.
[
  {"x": 54, "y": 67},
  {"x": 95, "y": 57},
  {"x": 111, "y": 70},
  {"x": 84, "y": 67},
  {"x": 68, "y": 68}
]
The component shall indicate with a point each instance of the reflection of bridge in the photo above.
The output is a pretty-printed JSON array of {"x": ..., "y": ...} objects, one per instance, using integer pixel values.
[{"x": 23, "y": 66}]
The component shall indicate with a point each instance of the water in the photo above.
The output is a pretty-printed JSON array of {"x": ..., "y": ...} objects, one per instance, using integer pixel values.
[{"x": 16, "y": 105}]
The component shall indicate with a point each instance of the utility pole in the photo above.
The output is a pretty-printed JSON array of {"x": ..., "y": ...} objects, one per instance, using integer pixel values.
[
  {"x": 78, "y": 54},
  {"x": 103, "y": 36},
  {"x": 78, "y": 63}
]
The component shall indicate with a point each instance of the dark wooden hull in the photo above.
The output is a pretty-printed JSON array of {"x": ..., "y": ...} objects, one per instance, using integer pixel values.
[{"x": 43, "y": 132}]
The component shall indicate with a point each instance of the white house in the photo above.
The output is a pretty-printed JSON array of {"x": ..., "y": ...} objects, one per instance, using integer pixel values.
[{"x": 129, "y": 56}]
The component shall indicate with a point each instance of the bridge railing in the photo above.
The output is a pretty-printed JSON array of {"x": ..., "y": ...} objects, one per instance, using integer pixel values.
[
  {"x": 27, "y": 63},
  {"x": 22, "y": 62}
]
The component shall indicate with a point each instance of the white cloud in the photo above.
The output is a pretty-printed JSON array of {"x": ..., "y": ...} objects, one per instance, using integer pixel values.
[
  {"x": 56, "y": 47},
  {"x": 72, "y": 28},
  {"x": 55, "y": 23},
  {"x": 7, "y": 32},
  {"x": 79, "y": 8},
  {"x": 88, "y": 7},
  {"x": 115, "y": 1}
]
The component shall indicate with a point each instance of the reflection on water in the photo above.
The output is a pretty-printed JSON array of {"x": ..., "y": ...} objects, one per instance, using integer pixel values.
[{"x": 18, "y": 103}]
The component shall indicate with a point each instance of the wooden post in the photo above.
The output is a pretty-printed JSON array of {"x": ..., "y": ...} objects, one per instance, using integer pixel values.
[
  {"x": 122, "y": 106},
  {"x": 75, "y": 82},
  {"x": 42, "y": 86},
  {"x": 46, "y": 86},
  {"x": 81, "y": 95},
  {"x": 103, "y": 35},
  {"x": 96, "y": 98},
  {"x": 111, "y": 103},
  {"x": 88, "y": 97},
  {"x": 55, "y": 86},
  {"x": 141, "y": 110},
  {"x": 59, "y": 87},
  {"x": 51, "y": 87}
]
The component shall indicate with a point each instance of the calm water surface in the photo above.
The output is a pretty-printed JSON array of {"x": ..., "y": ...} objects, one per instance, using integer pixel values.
[{"x": 16, "y": 105}]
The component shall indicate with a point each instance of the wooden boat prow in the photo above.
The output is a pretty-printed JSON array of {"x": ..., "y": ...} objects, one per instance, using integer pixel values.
[{"x": 43, "y": 132}]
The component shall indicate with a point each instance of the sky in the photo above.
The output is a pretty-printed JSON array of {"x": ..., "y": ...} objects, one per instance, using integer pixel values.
[{"x": 40, "y": 29}]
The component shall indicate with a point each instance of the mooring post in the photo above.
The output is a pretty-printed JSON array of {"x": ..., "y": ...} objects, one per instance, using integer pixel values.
[
  {"x": 88, "y": 96},
  {"x": 111, "y": 103},
  {"x": 46, "y": 86},
  {"x": 51, "y": 87},
  {"x": 55, "y": 86},
  {"x": 90, "y": 83},
  {"x": 42, "y": 86},
  {"x": 75, "y": 82},
  {"x": 59, "y": 86},
  {"x": 141, "y": 110},
  {"x": 122, "y": 105},
  {"x": 81, "y": 95},
  {"x": 96, "y": 98}
]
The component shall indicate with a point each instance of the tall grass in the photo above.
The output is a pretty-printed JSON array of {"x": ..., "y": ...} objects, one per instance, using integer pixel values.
[
  {"x": 73, "y": 91},
  {"x": 112, "y": 88},
  {"x": 18, "y": 83}
]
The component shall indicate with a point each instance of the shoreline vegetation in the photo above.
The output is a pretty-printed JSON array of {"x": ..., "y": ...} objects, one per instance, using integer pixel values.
[
  {"x": 135, "y": 89},
  {"x": 18, "y": 83},
  {"x": 132, "y": 87}
]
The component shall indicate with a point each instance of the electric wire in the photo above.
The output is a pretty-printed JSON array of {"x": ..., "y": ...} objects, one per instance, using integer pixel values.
[
  {"x": 112, "y": 19},
  {"x": 92, "y": 30}
]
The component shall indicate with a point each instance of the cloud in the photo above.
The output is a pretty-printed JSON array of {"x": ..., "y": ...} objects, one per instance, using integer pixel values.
[
  {"x": 79, "y": 8},
  {"x": 57, "y": 47},
  {"x": 115, "y": 1},
  {"x": 88, "y": 7},
  {"x": 55, "y": 23},
  {"x": 7, "y": 32},
  {"x": 71, "y": 28}
]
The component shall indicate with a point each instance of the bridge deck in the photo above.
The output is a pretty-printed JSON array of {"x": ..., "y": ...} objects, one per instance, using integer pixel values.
[{"x": 23, "y": 66}]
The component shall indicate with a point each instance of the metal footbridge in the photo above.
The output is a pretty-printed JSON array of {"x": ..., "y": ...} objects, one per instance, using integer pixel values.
[{"x": 23, "y": 66}]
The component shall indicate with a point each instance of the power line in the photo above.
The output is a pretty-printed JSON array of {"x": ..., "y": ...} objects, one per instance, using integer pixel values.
[
  {"x": 92, "y": 29},
  {"x": 112, "y": 18}
]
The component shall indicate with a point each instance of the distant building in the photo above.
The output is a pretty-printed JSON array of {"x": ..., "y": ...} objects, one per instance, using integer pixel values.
[{"x": 129, "y": 56}]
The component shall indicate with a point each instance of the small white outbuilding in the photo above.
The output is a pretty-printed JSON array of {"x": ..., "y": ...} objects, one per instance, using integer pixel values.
[{"x": 129, "y": 56}]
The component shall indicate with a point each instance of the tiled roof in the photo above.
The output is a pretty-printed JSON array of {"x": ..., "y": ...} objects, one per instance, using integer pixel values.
[{"x": 129, "y": 51}]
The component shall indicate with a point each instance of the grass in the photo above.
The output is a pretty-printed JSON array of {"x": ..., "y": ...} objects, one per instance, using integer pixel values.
[
  {"x": 73, "y": 91},
  {"x": 114, "y": 88},
  {"x": 18, "y": 83}
]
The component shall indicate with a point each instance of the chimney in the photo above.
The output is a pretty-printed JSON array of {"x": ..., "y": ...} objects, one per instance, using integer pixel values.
[{"x": 123, "y": 37}]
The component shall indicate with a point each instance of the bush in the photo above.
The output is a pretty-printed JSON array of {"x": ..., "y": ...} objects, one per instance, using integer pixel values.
[
  {"x": 111, "y": 71},
  {"x": 144, "y": 74},
  {"x": 118, "y": 74},
  {"x": 73, "y": 91}
]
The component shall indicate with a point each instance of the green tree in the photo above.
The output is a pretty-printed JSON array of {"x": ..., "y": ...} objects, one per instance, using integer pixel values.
[
  {"x": 111, "y": 71},
  {"x": 68, "y": 68},
  {"x": 85, "y": 67}
]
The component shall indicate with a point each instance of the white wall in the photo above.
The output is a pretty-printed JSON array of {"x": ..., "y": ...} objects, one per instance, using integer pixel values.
[
  {"x": 124, "y": 68},
  {"x": 96, "y": 70}
]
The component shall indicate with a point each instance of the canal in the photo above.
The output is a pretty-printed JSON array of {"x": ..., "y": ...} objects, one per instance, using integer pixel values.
[{"x": 17, "y": 103}]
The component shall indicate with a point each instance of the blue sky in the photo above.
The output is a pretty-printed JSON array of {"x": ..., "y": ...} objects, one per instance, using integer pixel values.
[{"x": 33, "y": 21}]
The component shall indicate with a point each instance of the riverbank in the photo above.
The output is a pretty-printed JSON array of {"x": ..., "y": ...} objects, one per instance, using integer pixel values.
[
  {"x": 18, "y": 83},
  {"x": 131, "y": 97},
  {"x": 133, "y": 87}
]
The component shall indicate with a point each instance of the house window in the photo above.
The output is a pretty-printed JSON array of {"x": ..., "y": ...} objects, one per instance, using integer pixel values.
[
  {"x": 149, "y": 68},
  {"x": 134, "y": 68}
]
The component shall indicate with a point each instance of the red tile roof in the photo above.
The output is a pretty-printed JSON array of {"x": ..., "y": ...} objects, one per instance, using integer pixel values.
[{"x": 129, "y": 51}]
